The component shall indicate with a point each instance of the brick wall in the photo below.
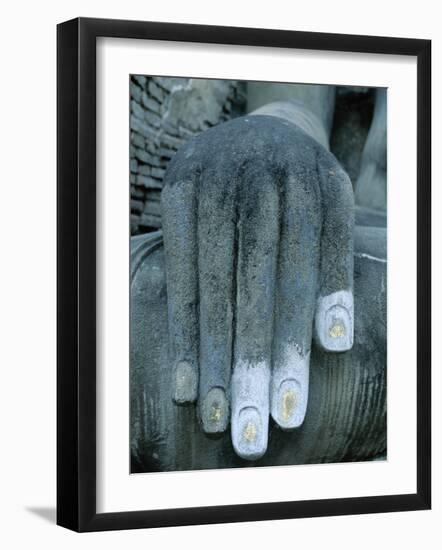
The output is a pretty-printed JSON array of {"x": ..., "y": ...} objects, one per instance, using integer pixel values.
[{"x": 165, "y": 112}]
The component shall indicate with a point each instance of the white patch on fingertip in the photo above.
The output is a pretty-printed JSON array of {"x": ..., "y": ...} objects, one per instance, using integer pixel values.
[
  {"x": 289, "y": 388},
  {"x": 334, "y": 321},
  {"x": 186, "y": 383},
  {"x": 250, "y": 408}
]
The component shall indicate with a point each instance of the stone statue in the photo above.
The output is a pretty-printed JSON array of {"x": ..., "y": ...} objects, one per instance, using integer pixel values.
[{"x": 261, "y": 254}]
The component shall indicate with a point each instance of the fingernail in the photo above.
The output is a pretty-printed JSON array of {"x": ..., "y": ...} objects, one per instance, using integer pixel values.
[
  {"x": 249, "y": 435},
  {"x": 215, "y": 411},
  {"x": 289, "y": 409},
  {"x": 186, "y": 383},
  {"x": 338, "y": 329},
  {"x": 289, "y": 388},
  {"x": 334, "y": 321}
]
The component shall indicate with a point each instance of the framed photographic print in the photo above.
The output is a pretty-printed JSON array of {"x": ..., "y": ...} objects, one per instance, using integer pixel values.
[{"x": 243, "y": 274}]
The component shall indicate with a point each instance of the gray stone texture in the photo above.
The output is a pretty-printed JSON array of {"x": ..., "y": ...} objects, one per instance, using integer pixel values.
[
  {"x": 317, "y": 98},
  {"x": 371, "y": 185},
  {"x": 346, "y": 413},
  {"x": 351, "y": 122},
  {"x": 232, "y": 298},
  {"x": 254, "y": 211},
  {"x": 165, "y": 113}
]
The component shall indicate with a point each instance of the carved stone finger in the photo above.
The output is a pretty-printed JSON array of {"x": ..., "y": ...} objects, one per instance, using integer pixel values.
[
  {"x": 334, "y": 320},
  {"x": 258, "y": 237},
  {"x": 216, "y": 250},
  {"x": 298, "y": 266}
]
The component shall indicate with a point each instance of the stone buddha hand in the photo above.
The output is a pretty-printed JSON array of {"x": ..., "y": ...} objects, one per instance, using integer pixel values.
[{"x": 258, "y": 221}]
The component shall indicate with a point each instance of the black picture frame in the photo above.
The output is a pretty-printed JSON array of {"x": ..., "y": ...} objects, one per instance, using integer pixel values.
[{"x": 76, "y": 273}]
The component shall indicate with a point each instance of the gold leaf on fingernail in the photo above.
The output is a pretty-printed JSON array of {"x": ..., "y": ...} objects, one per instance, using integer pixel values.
[
  {"x": 250, "y": 432},
  {"x": 215, "y": 413},
  {"x": 337, "y": 330},
  {"x": 288, "y": 404}
]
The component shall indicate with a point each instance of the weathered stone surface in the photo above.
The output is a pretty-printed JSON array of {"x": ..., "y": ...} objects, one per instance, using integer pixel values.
[
  {"x": 133, "y": 221},
  {"x": 140, "y": 79},
  {"x": 136, "y": 206},
  {"x": 154, "y": 129},
  {"x": 135, "y": 91},
  {"x": 158, "y": 173},
  {"x": 137, "y": 140},
  {"x": 197, "y": 102},
  {"x": 148, "y": 182},
  {"x": 316, "y": 98},
  {"x": 167, "y": 83},
  {"x": 273, "y": 206},
  {"x": 134, "y": 165},
  {"x": 155, "y": 195},
  {"x": 253, "y": 166},
  {"x": 142, "y": 128},
  {"x": 152, "y": 119},
  {"x": 151, "y": 104},
  {"x": 153, "y": 208},
  {"x": 351, "y": 122},
  {"x": 137, "y": 110},
  {"x": 148, "y": 220},
  {"x": 346, "y": 416},
  {"x": 171, "y": 141},
  {"x": 155, "y": 91},
  {"x": 370, "y": 217},
  {"x": 145, "y": 157},
  {"x": 166, "y": 153},
  {"x": 144, "y": 170},
  {"x": 174, "y": 127},
  {"x": 371, "y": 186},
  {"x": 136, "y": 193}
]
